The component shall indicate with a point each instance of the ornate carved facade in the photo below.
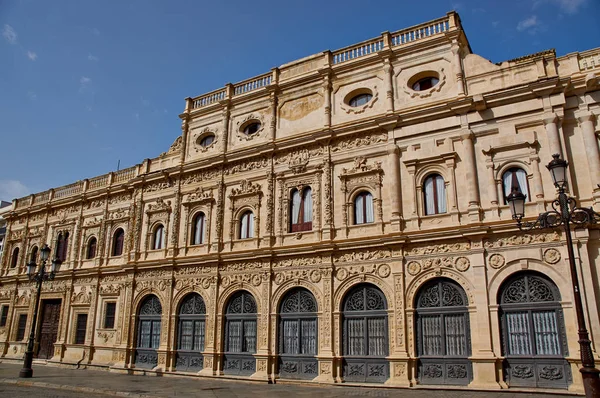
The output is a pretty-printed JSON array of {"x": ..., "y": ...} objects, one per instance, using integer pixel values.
[{"x": 393, "y": 156}]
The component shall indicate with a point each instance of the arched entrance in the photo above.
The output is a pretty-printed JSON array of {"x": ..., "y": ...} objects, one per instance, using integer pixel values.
[
  {"x": 240, "y": 335},
  {"x": 365, "y": 335},
  {"x": 298, "y": 335},
  {"x": 191, "y": 329},
  {"x": 443, "y": 336},
  {"x": 533, "y": 332},
  {"x": 148, "y": 333}
]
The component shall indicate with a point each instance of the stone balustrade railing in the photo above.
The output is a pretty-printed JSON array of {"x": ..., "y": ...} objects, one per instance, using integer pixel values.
[
  {"x": 358, "y": 50},
  {"x": 68, "y": 190},
  {"x": 124, "y": 175},
  {"x": 209, "y": 99},
  {"x": 98, "y": 182},
  {"x": 252, "y": 84},
  {"x": 421, "y": 31}
]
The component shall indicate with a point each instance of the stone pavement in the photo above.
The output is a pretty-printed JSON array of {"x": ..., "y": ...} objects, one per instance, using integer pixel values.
[{"x": 49, "y": 381}]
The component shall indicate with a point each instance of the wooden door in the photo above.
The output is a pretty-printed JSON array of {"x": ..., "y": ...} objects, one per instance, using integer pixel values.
[{"x": 49, "y": 328}]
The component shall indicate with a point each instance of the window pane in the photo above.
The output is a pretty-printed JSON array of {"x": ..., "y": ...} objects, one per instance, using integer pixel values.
[
  {"x": 4, "y": 315},
  {"x": 244, "y": 226},
  {"x": 359, "y": 217},
  {"x": 377, "y": 333},
  {"x": 429, "y": 197},
  {"x": 109, "y": 315},
  {"x": 199, "y": 229},
  {"x": 185, "y": 337},
  {"x": 21, "y": 327},
  {"x": 356, "y": 337},
  {"x": 234, "y": 336},
  {"x": 546, "y": 333},
  {"x": 309, "y": 336},
  {"x": 249, "y": 336},
  {"x": 432, "y": 335},
  {"x": 290, "y": 337},
  {"x": 199, "y": 335},
  {"x": 81, "y": 326},
  {"x": 456, "y": 341},
  {"x": 517, "y": 325},
  {"x": 145, "y": 327},
  {"x": 308, "y": 208},
  {"x": 441, "y": 194},
  {"x": 155, "y": 334},
  {"x": 369, "y": 208}
]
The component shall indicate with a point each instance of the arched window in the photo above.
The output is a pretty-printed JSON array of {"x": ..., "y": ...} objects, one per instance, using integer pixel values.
[
  {"x": 363, "y": 208},
  {"x": 533, "y": 332},
  {"x": 158, "y": 237},
  {"x": 33, "y": 254},
  {"x": 298, "y": 335},
  {"x": 240, "y": 334},
  {"x": 360, "y": 99},
  {"x": 434, "y": 191},
  {"x": 301, "y": 210},
  {"x": 118, "y": 239},
  {"x": 443, "y": 336},
  {"x": 91, "y": 248},
  {"x": 148, "y": 334},
  {"x": 198, "y": 227},
  {"x": 61, "y": 246},
  {"x": 14, "y": 260},
  {"x": 365, "y": 335},
  {"x": 247, "y": 225},
  {"x": 192, "y": 333},
  {"x": 515, "y": 179}
]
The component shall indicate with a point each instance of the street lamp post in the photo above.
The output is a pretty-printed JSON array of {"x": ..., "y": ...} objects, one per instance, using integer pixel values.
[
  {"x": 565, "y": 212},
  {"x": 40, "y": 276}
]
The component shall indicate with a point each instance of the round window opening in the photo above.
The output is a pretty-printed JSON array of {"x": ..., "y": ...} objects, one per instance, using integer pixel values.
[
  {"x": 425, "y": 83},
  {"x": 252, "y": 128},
  {"x": 206, "y": 141},
  {"x": 360, "y": 99}
]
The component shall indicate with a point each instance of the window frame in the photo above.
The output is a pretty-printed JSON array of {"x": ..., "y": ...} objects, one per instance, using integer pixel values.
[
  {"x": 4, "y": 314},
  {"x": 80, "y": 331},
  {"x": 201, "y": 241},
  {"x": 106, "y": 316},
  {"x": 436, "y": 195},
  {"x": 302, "y": 225},
  {"x": 92, "y": 243},
  {"x": 33, "y": 254},
  {"x": 513, "y": 170},
  {"x": 21, "y": 327},
  {"x": 62, "y": 244},
  {"x": 249, "y": 231},
  {"x": 14, "y": 258},
  {"x": 118, "y": 242},
  {"x": 354, "y": 101},
  {"x": 363, "y": 194},
  {"x": 158, "y": 237}
]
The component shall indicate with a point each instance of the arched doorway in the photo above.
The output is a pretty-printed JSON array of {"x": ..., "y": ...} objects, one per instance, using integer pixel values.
[
  {"x": 365, "y": 335},
  {"x": 533, "y": 332},
  {"x": 240, "y": 335},
  {"x": 298, "y": 335},
  {"x": 148, "y": 333},
  {"x": 191, "y": 333},
  {"x": 443, "y": 334}
]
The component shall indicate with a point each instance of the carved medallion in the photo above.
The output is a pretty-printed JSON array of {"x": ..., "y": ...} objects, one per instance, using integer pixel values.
[
  {"x": 551, "y": 256},
  {"x": 413, "y": 267},
  {"x": 496, "y": 261}
]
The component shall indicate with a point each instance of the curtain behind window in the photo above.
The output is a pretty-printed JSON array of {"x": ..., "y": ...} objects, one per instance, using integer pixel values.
[
  {"x": 308, "y": 205},
  {"x": 441, "y": 194}
]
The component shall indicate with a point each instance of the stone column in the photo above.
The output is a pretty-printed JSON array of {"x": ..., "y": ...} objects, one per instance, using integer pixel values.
[
  {"x": 551, "y": 123},
  {"x": 458, "y": 69},
  {"x": 393, "y": 159},
  {"x": 273, "y": 121},
  {"x": 586, "y": 123},
  {"x": 471, "y": 175},
  {"x": 389, "y": 88}
]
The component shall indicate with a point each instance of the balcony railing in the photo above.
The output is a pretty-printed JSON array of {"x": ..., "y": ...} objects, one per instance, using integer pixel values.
[
  {"x": 358, "y": 50},
  {"x": 68, "y": 190},
  {"x": 252, "y": 84},
  {"x": 209, "y": 99},
  {"x": 421, "y": 31}
]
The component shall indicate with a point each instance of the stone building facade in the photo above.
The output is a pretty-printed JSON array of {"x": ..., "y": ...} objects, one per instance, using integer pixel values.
[{"x": 338, "y": 219}]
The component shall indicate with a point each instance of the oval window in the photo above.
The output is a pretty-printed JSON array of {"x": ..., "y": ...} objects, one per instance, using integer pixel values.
[
  {"x": 207, "y": 140},
  {"x": 425, "y": 83},
  {"x": 360, "y": 99},
  {"x": 252, "y": 128}
]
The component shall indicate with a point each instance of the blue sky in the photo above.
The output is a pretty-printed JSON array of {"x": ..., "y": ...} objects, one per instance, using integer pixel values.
[{"x": 84, "y": 84}]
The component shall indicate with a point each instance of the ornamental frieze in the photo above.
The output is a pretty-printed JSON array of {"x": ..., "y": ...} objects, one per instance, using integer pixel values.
[
  {"x": 381, "y": 270},
  {"x": 35, "y": 231},
  {"x": 363, "y": 255},
  {"x": 255, "y": 279},
  {"x": 246, "y": 187},
  {"x": 199, "y": 195},
  {"x": 160, "y": 285},
  {"x": 157, "y": 186},
  {"x": 247, "y": 165},
  {"x": 118, "y": 214},
  {"x": 119, "y": 198},
  {"x": 23, "y": 299},
  {"x": 313, "y": 276},
  {"x": 16, "y": 235},
  {"x": 435, "y": 249},
  {"x": 191, "y": 271},
  {"x": 92, "y": 222},
  {"x": 205, "y": 175},
  {"x": 159, "y": 206},
  {"x": 303, "y": 261},
  {"x": 522, "y": 239},
  {"x": 459, "y": 263},
  {"x": 241, "y": 266},
  {"x": 82, "y": 295},
  {"x": 95, "y": 204},
  {"x": 110, "y": 288},
  {"x": 203, "y": 282},
  {"x": 358, "y": 142},
  {"x": 154, "y": 274}
]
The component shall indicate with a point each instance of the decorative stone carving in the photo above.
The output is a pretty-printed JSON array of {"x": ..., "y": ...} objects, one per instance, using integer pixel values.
[
  {"x": 373, "y": 269},
  {"x": 247, "y": 165},
  {"x": 119, "y": 214},
  {"x": 551, "y": 256},
  {"x": 201, "y": 135},
  {"x": 106, "y": 335},
  {"x": 522, "y": 239},
  {"x": 250, "y": 118},
  {"x": 496, "y": 261},
  {"x": 441, "y": 248},
  {"x": 384, "y": 270},
  {"x": 462, "y": 264},
  {"x": 246, "y": 187},
  {"x": 199, "y": 195},
  {"x": 363, "y": 255},
  {"x": 82, "y": 297},
  {"x": 176, "y": 146},
  {"x": 413, "y": 268},
  {"x": 360, "y": 109},
  {"x": 159, "y": 206},
  {"x": 358, "y": 142},
  {"x": 297, "y": 262},
  {"x": 308, "y": 275}
]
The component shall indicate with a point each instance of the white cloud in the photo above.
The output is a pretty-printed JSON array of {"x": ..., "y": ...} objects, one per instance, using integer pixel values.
[
  {"x": 530, "y": 24},
  {"x": 32, "y": 95},
  {"x": 11, "y": 189},
  {"x": 9, "y": 34},
  {"x": 31, "y": 55},
  {"x": 84, "y": 83},
  {"x": 95, "y": 32},
  {"x": 92, "y": 57}
]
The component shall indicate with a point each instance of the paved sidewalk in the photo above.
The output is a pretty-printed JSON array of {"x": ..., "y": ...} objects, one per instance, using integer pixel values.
[{"x": 92, "y": 382}]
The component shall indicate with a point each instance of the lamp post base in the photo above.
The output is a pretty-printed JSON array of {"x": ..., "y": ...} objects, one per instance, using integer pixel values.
[
  {"x": 591, "y": 382},
  {"x": 27, "y": 371}
]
